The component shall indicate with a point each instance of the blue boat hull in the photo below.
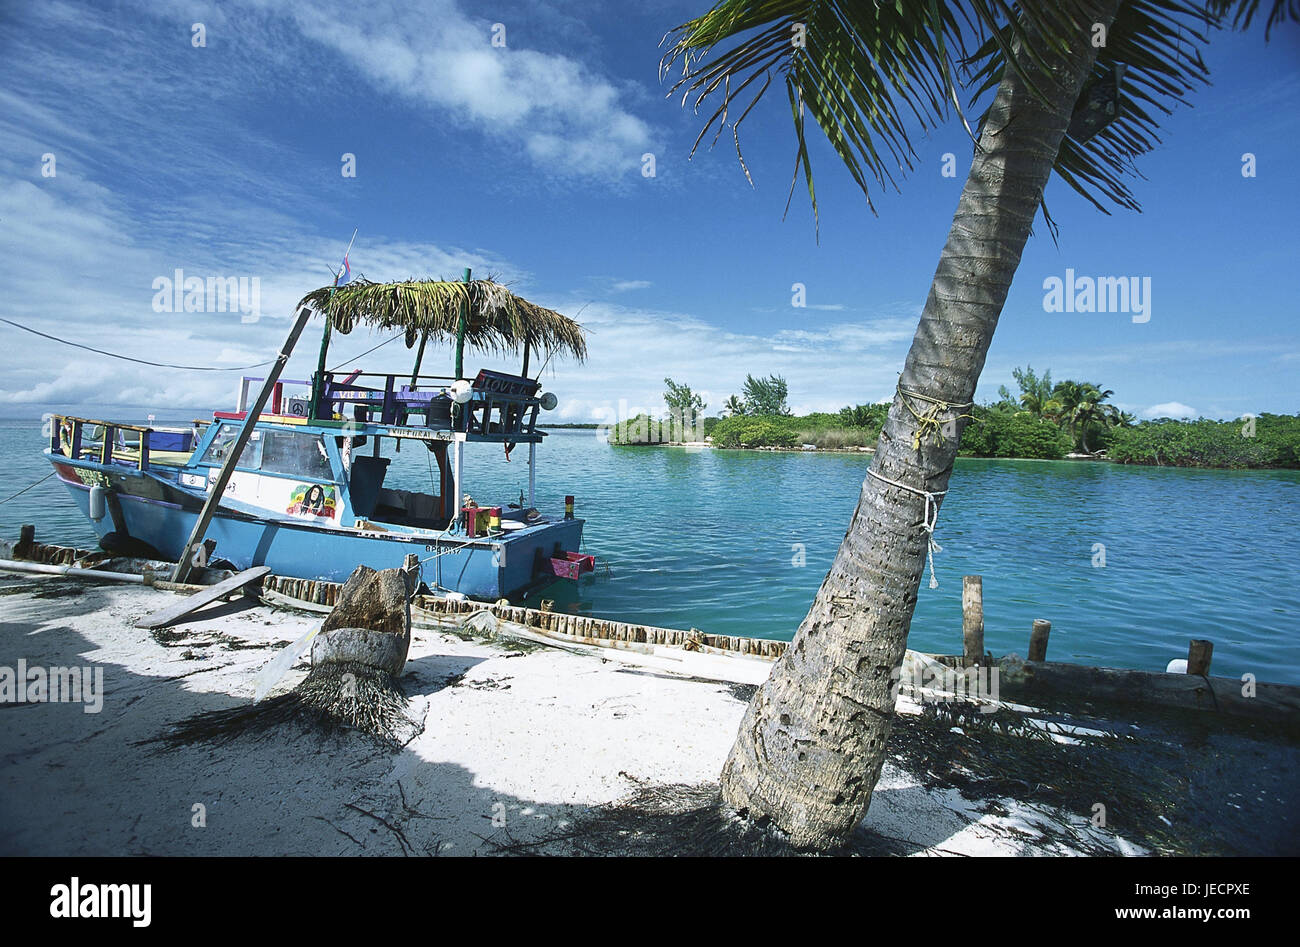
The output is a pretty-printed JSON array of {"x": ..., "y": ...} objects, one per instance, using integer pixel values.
[{"x": 153, "y": 512}]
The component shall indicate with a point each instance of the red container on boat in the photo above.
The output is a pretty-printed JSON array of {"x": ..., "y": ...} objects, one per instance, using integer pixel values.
[{"x": 476, "y": 519}]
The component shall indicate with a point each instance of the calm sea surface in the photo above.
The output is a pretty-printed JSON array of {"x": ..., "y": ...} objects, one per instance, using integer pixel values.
[{"x": 709, "y": 539}]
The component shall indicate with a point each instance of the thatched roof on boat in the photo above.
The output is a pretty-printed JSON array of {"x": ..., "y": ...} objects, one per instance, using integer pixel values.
[{"x": 498, "y": 319}]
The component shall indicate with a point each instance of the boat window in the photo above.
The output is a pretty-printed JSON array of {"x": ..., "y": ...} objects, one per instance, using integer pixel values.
[
  {"x": 224, "y": 441},
  {"x": 302, "y": 455}
]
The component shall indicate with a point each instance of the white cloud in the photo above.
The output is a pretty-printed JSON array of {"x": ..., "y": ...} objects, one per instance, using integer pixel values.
[
  {"x": 571, "y": 121},
  {"x": 632, "y": 351},
  {"x": 82, "y": 268},
  {"x": 76, "y": 257},
  {"x": 81, "y": 257},
  {"x": 1170, "y": 409}
]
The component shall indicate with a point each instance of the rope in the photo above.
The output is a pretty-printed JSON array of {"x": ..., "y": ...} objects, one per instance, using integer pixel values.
[
  {"x": 365, "y": 353},
  {"x": 25, "y": 489},
  {"x": 128, "y": 358},
  {"x": 439, "y": 554},
  {"x": 929, "y": 518},
  {"x": 929, "y": 420}
]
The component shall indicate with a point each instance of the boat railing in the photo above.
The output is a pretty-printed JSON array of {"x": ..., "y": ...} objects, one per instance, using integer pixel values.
[
  {"x": 68, "y": 439},
  {"x": 500, "y": 406},
  {"x": 279, "y": 404}
]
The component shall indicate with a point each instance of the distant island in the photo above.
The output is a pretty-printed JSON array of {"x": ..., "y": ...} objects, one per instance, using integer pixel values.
[{"x": 1045, "y": 421}]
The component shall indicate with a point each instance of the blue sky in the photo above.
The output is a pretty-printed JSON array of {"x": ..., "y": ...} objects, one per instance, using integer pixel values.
[{"x": 525, "y": 162}]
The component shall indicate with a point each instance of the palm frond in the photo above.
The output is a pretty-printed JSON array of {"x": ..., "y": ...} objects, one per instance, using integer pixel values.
[
  {"x": 1243, "y": 12},
  {"x": 866, "y": 71},
  {"x": 498, "y": 320},
  {"x": 855, "y": 68},
  {"x": 1157, "y": 45},
  {"x": 861, "y": 71}
]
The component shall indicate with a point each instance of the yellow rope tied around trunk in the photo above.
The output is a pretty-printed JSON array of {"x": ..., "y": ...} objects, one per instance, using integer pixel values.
[
  {"x": 928, "y": 520},
  {"x": 929, "y": 421}
]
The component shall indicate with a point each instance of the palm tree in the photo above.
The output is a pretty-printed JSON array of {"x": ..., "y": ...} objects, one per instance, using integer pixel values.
[
  {"x": 1081, "y": 404},
  {"x": 812, "y": 742},
  {"x": 1092, "y": 409},
  {"x": 733, "y": 406},
  {"x": 1069, "y": 395}
]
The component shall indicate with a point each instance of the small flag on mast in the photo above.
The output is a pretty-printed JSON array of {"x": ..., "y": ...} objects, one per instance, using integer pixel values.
[{"x": 344, "y": 275}]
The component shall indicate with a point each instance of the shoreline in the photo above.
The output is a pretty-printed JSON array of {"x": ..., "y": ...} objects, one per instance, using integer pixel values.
[
  {"x": 519, "y": 748},
  {"x": 868, "y": 451}
]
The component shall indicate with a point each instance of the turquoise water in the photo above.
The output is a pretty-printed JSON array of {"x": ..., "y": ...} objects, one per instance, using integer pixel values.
[{"x": 708, "y": 539}]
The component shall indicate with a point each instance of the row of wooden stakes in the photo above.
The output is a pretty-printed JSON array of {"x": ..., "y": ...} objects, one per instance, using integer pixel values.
[
  {"x": 325, "y": 593},
  {"x": 1199, "y": 652}
]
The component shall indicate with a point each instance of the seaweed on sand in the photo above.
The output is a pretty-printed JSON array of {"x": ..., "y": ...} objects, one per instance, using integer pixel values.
[
  {"x": 1150, "y": 785},
  {"x": 659, "y": 820},
  {"x": 333, "y": 698},
  {"x": 1146, "y": 784}
]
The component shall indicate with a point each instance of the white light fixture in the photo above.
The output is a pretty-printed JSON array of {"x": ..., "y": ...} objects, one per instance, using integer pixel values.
[
  {"x": 549, "y": 401},
  {"x": 461, "y": 391}
]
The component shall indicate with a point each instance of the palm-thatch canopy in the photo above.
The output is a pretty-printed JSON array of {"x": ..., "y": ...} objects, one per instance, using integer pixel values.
[{"x": 498, "y": 320}]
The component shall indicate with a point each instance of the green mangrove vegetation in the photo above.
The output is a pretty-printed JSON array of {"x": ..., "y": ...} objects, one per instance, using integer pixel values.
[
  {"x": 1269, "y": 440},
  {"x": 1043, "y": 420}
]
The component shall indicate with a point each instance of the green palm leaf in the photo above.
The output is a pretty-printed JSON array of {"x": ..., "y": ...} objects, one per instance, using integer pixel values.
[{"x": 866, "y": 71}]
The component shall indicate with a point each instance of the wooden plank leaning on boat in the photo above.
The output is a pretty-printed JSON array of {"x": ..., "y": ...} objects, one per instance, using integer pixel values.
[{"x": 178, "y": 610}]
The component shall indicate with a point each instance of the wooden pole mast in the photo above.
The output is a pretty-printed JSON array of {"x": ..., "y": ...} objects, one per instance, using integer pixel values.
[
  {"x": 460, "y": 333},
  {"x": 318, "y": 380},
  {"x": 185, "y": 563}
]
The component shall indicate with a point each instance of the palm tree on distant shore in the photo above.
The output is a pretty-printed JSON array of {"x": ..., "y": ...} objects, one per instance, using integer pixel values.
[
  {"x": 1083, "y": 404},
  {"x": 811, "y": 745},
  {"x": 733, "y": 406}
]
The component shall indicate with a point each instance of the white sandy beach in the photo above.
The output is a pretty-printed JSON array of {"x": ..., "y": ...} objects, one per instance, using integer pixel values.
[{"x": 517, "y": 745}]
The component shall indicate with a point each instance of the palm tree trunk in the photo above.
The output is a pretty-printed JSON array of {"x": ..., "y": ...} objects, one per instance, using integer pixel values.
[{"x": 812, "y": 743}]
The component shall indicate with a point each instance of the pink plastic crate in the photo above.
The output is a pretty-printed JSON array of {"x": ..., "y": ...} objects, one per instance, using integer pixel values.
[{"x": 572, "y": 565}]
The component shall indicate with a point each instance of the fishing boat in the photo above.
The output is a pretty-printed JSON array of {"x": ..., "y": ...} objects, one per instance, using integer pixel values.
[{"x": 294, "y": 479}]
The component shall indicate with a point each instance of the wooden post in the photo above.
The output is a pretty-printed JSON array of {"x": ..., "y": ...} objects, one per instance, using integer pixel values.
[
  {"x": 1199, "y": 653},
  {"x": 411, "y": 566},
  {"x": 318, "y": 380},
  {"x": 26, "y": 539},
  {"x": 1038, "y": 640},
  {"x": 972, "y": 618},
  {"x": 460, "y": 330},
  {"x": 184, "y": 564},
  {"x": 419, "y": 357},
  {"x": 532, "y": 474}
]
